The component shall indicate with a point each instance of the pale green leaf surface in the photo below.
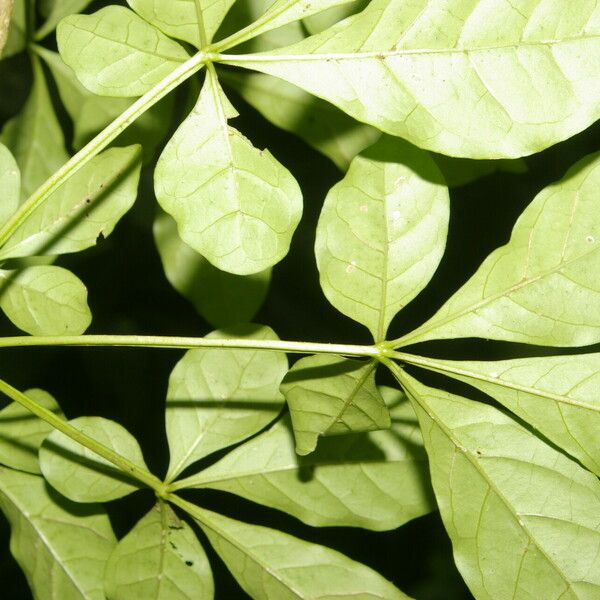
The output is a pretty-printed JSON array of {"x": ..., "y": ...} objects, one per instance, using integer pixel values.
[
  {"x": 271, "y": 565},
  {"x": 479, "y": 79},
  {"x": 22, "y": 433},
  {"x": 221, "y": 298},
  {"x": 82, "y": 210},
  {"x": 34, "y": 136},
  {"x": 234, "y": 204},
  {"x": 331, "y": 395},
  {"x": 543, "y": 287},
  {"x": 159, "y": 559},
  {"x": 59, "y": 10},
  {"x": 382, "y": 233},
  {"x": 374, "y": 480},
  {"x": 557, "y": 395},
  {"x": 79, "y": 473},
  {"x": 6, "y": 7},
  {"x": 45, "y": 300},
  {"x": 218, "y": 397},
  {"x": 524, "y": 520},
  {"x": 17, "y": 35},
  {"x": 116, "y": 53},
  {"x": 320, "y": 124},
  {"x": 10, "y": 184},
  {"x": 61, "y": 546}
]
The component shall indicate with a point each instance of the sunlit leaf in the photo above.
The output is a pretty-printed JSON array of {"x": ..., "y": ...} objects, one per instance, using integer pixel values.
[
  {"x": 116, "y": 53},
  {"x": 45, "y": 300},
  {"x": 59, "y": 10},
  {"x": 270, "y": 565},
  {"x": 218, "y": 397},
  {"x": 375, "y": 480},
  {"x": 61, "y": 546},
  {"x": 22, "y": 433},
  {"x": 80, "y": 474},
  {"x": 10, "y": 184},
  {"x": 543, "y": 287},
  {"x": 481, "y": 79},
  {"x": 160, "y": 558},
  {"x": 382, "y": 233},
  {"x": 329, "y": 395},
  {"x": 524, "y": 519},
  {"x": 221, "y": 298}
]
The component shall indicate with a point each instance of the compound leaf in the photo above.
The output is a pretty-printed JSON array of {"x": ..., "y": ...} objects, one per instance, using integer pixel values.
[
  {"x": 218, "y": 397},
  {"x": 10, "y": 184},
  {"x": 480, "y": 79},
  {"x": 373, "y": 480},
  {"x": 79, "y": 473},
  {"x": 22, "y": 433},
  {"x": 524, "y": 520},
  {"x": 61, "y": 546},
  {"x": 543, "y": 287},
  {"x": 160, "y": 558},
  {"x": 382, "y": 233},
  {"x": 221, "y": 298},
  {"x": 45, "y": 300},
  {"x": 116, "y": 53},
  {"x": 271, "y": 565},
  {"x": 329, "y": 395},
  {"x": 234, "y": 204}
]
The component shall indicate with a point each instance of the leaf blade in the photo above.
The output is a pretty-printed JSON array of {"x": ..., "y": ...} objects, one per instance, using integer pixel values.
[{"x": 10, "y": 184}]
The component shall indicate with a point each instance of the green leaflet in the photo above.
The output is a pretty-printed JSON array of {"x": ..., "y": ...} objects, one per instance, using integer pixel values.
[
  {"x": 330, "y": 395},
  {"x": 5, "y": 13},
  {"x": 59, "y": 10},
  {"x": 221, "y": 298},
  {"x": 557, "y": 395},
  {"x": 543, "y": 286},
  {"x": 34, "y": 136},
  {"x": 234, "y": 204},
  {"x": 17, "y": 28},
  {"x": 218, "y": 397},
  {"x": 82, "y": 475},
  {"x": 382, "y": 233},
  {"x": 10, "y": 184},
  {"x": 160, "y": 558},
  {"x": 61, "y": 546},
  {"x": 270, "y": 565},
  {"x": 333, "y": 15},
  {"x": 375, "y": 480},
  {"x": 116, "y": 53},
  {"x": 84, "y": 209},
  {"x": 22, "y": 433},
  {"x": 45, "y": 300},
  {"x": 524, "y": 520},
  {"x": 479, "y": 79}
]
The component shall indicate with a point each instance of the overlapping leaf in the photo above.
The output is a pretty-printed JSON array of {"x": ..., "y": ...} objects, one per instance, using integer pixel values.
[
  {"x": 218, "y": 397},
  {"x": 524, "y": 520},
  {"x": 10, "y": 184},
  {"x": 329, "y": 395},
  {"x": 483, "y": 79},
  {"x": 59, "y": 10},
  {"x": 543, "y": 287},
  {"x": 234, "y": 204},
  {"x": 382, "y": 233}
]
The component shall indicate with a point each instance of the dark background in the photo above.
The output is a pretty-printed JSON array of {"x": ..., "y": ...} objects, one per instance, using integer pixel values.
[{"x": 128, "y": 293}]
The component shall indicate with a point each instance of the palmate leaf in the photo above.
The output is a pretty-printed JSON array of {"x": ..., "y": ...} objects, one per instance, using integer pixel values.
[
  {"x": 82, "y": 210},
  {"x": 159, "y": 559},
  {"x": 481, "y": 79},
  {"x": 382, "y": 232},
  {"x": 79, "y": 473},
  {"x": 524, "y": 519},
  {"x": 61, "y": 546},
  {"x": 374, "y": 480},
  {"x": 270, "y": 565},
  {"x": 558, "y": 395},
  {"x": 116, "y": 53},
  {"x": 329, "y": 395},
  {"x": 234, "y": 204},
  {"x": 221, "y": 298},
  {"x": 543, "y": 287},
  {"x": 10, "y": 184},
  {"x": 45, "y": 300},
  {"x": 218, "y": 397}
]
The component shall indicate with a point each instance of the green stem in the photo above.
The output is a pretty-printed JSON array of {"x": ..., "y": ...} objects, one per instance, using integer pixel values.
[
  {"x": 157, "y": 341},
  {"x": 57, "y": 422},
  {"x": 107, "y": 135}
]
